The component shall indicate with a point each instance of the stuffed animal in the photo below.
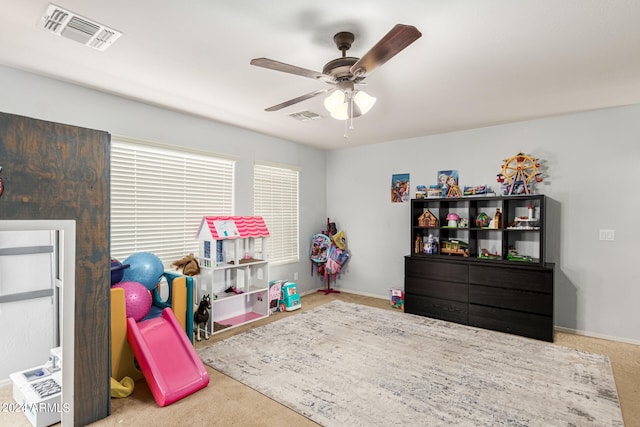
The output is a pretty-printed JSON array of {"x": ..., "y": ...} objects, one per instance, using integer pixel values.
[{"x": 188, "y": 264}]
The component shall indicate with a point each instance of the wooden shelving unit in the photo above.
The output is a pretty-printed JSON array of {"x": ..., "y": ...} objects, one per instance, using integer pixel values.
[{"x": 492, "y": 273}]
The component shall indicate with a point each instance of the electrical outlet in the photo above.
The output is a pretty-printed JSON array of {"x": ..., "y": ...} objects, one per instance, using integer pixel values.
[
  {"x": 607, "y": 234},
  {"x": 295, "y": 276}
]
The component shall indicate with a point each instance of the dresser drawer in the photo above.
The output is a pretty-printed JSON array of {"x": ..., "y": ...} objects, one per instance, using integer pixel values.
[
  {"x": 512, "y": 299},
  {"x": 529, "y": 279},
  {"x": 437, "y": 289},
  {"x": 513, "y": 322},
  {"x": 452, "y": 311},
  {"x": 439, "y": 271}
]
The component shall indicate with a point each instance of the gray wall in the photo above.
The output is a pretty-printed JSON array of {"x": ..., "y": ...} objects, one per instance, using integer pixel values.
[
  {"x": 42, "y": 98},
  {"x": 592, "y": 162}
]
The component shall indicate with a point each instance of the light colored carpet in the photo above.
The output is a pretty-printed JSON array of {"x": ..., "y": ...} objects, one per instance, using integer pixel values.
[{"x": 348, "y": 364}]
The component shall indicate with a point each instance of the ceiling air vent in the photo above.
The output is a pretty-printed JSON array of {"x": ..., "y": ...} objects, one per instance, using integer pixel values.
[
  {"x": 73, "y": 26},
  {"x": 305, "y": 116}
]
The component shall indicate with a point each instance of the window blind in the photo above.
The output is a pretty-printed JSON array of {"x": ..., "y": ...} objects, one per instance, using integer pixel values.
[
  {"x": 159, "y": 196},
  {"x": 275, "y": 190}
]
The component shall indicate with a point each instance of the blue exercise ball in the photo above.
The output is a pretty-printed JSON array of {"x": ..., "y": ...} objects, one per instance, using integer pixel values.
[{"x": 145, "y": 268}]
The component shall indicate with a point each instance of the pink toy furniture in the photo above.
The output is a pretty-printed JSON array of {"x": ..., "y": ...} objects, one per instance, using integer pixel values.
[{"x": 167, "y": 359}]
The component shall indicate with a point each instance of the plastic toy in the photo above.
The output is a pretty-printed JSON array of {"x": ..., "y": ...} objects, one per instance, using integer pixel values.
[
  {"x": 475, "y": 190},
  {"x": 418, "y": 246},
  {"x": 397, "y": 298},
  {"x": 428, "y": 219},
  {"x": 201, "y": 317},
  {"x": 275, "y": 295},
  {"x": 170, "y": 377},
  {"x": 431, "y": 245},
  {"x": 496, "y": 222},
  {"x": 137, "y": 299},
  {"x": 434, "y": 191},
  {"x": 454, "y": 247},
  {"x": 290, "y": 298},
  {"x": 145, "y": 268},
  {"x": 179, "y": 298},
  {"x": 519, "y": 174},
  {"x": 452, "y": 220},
  {"x": 513, "y": 255},
  {"x": 485, "y": 254},
  {"x": 40, "y": 388},
  {"x": 482, "y": 220},
  {"x": 452, "y": 188}
]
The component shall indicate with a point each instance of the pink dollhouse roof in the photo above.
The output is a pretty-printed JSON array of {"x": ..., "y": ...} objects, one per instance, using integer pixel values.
[{"x": 248, "y": 226}]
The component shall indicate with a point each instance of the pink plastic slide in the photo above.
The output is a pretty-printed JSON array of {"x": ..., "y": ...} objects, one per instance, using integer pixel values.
[{"x": 167, "y": 359}]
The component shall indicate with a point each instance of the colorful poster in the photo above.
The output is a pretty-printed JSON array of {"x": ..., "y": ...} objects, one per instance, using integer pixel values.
[
  {"x": 448, "y": 181},
  {"x": 400, "y": 188}
]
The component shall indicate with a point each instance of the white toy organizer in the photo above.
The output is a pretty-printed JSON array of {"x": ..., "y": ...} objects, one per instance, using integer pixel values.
[{"x": 234, "y": 269}]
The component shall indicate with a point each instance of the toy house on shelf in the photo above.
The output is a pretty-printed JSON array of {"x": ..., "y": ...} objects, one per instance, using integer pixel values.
[
  {"x": 234, "y": 269},
  {"x": 427, "y": 219}
]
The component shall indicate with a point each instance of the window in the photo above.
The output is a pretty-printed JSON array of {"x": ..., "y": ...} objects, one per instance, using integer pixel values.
[
  {"x": 159, "y": 196},
  {"x": 275, "y": 198}
]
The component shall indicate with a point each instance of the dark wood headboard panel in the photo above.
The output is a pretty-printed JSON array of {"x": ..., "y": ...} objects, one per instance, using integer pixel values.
[{"x": 56, "y": 171}]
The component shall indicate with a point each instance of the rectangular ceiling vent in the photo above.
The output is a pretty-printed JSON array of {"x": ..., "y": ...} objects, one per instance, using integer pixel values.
[
  {"x": 305, "y": 116},
  {"x": 75, "y": 27}
]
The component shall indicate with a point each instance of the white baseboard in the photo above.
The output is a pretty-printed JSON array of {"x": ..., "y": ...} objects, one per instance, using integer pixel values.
[
  {"x": 595, "y": 335},
  {"x": 349, "y": 291}
]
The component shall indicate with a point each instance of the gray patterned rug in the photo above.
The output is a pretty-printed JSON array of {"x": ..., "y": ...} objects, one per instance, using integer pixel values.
[{"x": 344, "y": 364}]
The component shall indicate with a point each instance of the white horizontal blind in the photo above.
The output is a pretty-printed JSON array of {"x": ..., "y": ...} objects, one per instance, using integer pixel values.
[
  {"x": 275, "y": 190},
  {"x": 159, "y": 196}
]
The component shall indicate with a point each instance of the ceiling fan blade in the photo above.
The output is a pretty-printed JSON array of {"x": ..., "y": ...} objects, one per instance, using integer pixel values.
[
  {"x": 298, "y": 99},
  {"x": 389, "y": 46},
  {"x": 291, "y": 69}
]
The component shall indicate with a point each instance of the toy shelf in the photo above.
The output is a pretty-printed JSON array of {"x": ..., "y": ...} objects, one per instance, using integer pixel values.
[
  {"x": 240, "y": 319},
  {"x": 238, "y": 309},
  {"x": 220, "y": 296},
  {"x": 516, "y": 234},
  {"x": 491, "y": 273},
  {"x": 232, "y": 256}
]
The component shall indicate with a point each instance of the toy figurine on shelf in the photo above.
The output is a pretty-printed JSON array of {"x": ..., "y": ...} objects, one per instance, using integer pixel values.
[
  {"x": 519, "y": 174},
  {"x": 513, "y": 255},
  {"x": 485, "y": 254},
  {"x": 452, "y": 220},
  {"x": 418, "y": 247},
  {"x": 431, "y": 245},
  {"x": 482, "y": 220},
  {"x": 496, "y": 222},
  {"x": 452, "y": 187}
]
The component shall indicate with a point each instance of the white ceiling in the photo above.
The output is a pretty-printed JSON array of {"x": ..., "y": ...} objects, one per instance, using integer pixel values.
[{"x": 478, "y": 63}]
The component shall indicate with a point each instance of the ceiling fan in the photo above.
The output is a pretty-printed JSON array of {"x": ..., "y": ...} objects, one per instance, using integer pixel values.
[{"x": 343, "y": 73}]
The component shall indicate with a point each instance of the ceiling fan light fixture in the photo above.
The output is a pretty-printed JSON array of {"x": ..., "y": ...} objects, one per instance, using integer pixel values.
[
  {"x": 341, "y": 112},
  {"x": 364, "y": 101},
  {"x": 344, "y": 105},
  {"x": 334, "y": 101}
]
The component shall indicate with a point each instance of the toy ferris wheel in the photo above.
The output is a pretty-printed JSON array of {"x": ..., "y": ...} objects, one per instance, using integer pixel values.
[{"x": 519, "y": 173}]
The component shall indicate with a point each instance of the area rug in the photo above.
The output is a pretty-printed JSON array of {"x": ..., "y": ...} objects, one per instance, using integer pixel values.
[{"x": 344, "y": 364}]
